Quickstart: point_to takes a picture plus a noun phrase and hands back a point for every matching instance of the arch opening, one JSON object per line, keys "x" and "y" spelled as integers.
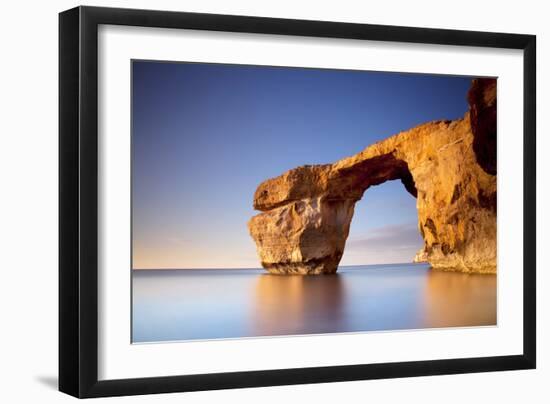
{"x": 384, "y": 227}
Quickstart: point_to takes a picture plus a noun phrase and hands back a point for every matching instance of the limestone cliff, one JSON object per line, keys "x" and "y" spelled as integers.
{"x": 449, "y": 166}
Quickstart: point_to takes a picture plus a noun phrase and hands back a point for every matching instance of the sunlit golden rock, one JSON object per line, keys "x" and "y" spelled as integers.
{"x": 307, "y": 211}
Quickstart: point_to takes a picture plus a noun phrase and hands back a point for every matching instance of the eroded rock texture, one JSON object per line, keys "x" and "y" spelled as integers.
{"x": 449, "y": 166}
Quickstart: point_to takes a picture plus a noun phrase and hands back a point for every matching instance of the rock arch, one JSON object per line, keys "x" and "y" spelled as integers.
{"x": 446, "y": 165}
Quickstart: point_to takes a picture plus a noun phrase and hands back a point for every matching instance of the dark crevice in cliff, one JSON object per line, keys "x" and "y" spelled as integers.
{"x": 482, "y": 98}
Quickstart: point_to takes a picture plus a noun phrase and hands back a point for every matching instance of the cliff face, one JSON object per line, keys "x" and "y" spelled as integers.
{"x": 449, "y": 166}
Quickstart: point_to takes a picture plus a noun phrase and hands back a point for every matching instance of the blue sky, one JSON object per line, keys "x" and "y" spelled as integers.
{"x": 205, "y": 135}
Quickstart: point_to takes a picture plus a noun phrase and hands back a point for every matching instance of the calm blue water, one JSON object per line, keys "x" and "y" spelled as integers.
{"x": 172, "y": 305}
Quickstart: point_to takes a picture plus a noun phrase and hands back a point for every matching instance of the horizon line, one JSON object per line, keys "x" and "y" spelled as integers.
{"x": 224, "y": 268}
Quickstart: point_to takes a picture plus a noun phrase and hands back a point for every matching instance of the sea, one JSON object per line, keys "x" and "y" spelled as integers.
{"x": 204, "y": 304}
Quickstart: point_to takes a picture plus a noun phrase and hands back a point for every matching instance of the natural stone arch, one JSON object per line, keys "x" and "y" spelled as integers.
{"x": 307, "y": 211}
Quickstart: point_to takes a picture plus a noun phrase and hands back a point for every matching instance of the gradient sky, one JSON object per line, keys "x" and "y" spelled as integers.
{"x": 205, "y": 135}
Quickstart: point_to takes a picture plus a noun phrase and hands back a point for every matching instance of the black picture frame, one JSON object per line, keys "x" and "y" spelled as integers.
{"x": 78, "y": 203}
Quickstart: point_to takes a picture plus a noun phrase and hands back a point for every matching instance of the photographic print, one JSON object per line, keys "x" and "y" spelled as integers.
{"x": 283, "y": 201}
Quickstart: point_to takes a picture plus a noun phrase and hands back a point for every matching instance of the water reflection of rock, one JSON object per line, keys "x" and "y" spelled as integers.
{"x": 291, "y": 305}
{"x": 456, "y": 299}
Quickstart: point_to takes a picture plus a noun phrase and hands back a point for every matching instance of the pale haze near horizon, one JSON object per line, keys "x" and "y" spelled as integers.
{"x": 204, "y": 136}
